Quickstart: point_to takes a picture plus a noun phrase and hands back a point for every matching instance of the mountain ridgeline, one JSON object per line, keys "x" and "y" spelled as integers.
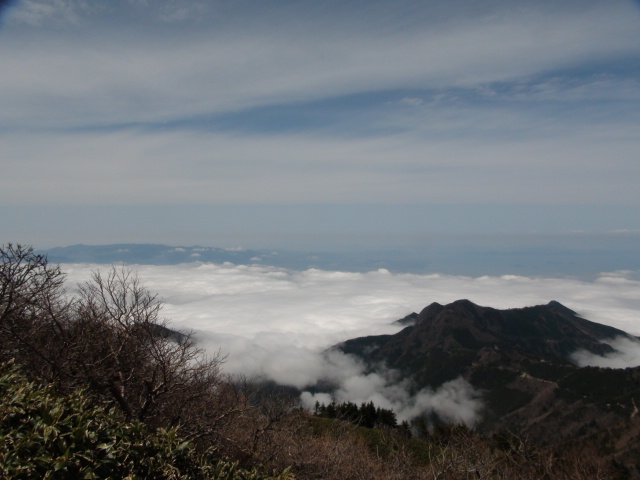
{"x": 443, "y": 342}
{"x": 521, "y": 360}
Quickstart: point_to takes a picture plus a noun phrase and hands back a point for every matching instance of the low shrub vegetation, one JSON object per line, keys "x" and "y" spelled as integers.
{"x": 47, "y": 436}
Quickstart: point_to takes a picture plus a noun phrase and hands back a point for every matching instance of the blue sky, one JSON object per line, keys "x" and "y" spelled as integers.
{"x": 294, "y": 123}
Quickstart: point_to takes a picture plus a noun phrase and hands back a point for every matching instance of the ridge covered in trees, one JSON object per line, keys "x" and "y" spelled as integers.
{"x": 367, "y": 415}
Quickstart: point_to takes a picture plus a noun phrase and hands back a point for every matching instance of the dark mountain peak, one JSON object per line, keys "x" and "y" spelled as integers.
{"x": 461, "y": 314}
{"x": 461, "y": 333}
{"x": 430, "y": 310}
{"x": 547, "y": 329}
{"x": 555, "y": 305}
{"x": 463, "y": 302}
{"x": 408, "y": 320}
{"x": 436, "y": 308}
{"x": 462, "y": 306}
{"x": 470, "y": 308}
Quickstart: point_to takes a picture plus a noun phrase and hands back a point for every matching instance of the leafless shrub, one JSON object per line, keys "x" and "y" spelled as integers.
{"x": 32, "y": 309}
{"x": 130, "y": 357}
{"x": 111, "y": 338}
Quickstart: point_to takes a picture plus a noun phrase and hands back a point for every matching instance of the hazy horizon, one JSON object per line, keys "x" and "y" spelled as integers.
{"x": 579, "y": 255}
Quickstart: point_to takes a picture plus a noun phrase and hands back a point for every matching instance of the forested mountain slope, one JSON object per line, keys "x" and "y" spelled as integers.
{"x": 522, "y": 360}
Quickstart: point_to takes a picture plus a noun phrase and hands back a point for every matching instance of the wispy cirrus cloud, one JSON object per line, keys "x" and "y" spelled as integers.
{"x": 216, "y": 57}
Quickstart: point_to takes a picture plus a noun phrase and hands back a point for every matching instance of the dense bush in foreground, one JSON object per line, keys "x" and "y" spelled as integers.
{"x": 46, "y": 436}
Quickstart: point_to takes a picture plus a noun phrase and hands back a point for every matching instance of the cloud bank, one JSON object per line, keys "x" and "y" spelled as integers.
{"x": 277, "y": 324}
{"x": 455, "y": 401}
{"x": 626, "y": 354}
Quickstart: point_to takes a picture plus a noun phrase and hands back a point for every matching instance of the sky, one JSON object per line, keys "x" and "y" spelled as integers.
{"x": 317, "y": 124}
{"x": 277, "y": 323}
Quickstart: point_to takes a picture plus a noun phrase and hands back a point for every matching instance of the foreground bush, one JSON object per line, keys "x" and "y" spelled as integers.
{"x": 110, "y": 338}
{"x": 45, "y": 436}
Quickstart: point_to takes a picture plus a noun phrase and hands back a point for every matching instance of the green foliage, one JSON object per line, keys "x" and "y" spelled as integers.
{"x": 367, "y": 415}
{"x": 45, "y": 436}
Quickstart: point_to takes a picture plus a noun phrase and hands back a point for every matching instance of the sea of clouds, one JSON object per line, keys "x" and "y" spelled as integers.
{"x": 277, "y": 324}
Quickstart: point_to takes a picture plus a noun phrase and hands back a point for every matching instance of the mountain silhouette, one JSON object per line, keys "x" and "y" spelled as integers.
{"x": 521, "y": 360}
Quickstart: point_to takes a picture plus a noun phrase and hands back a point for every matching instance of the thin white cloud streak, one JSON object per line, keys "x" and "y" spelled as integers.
{"x": 79, "y": 76}
{"x": 277, "y": 324}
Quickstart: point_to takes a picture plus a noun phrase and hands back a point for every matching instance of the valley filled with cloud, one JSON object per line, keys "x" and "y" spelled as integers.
{"x": 276, "y": 324}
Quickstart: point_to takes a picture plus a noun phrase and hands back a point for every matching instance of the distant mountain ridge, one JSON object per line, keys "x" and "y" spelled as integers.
{"x": 157, "y": 254}
{"x": 551, "y": 330}
{"x": 152, "y": 254}
{"x": 521, "y": 361}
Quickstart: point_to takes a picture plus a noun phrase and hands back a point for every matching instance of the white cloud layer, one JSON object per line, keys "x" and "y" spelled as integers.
{"x": 626, "y": 354}
{"x": 275, "y": 323}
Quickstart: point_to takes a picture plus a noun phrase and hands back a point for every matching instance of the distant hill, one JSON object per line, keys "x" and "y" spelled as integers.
{"x": 154, "y": 254}
{"x": 521, "y": 360}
